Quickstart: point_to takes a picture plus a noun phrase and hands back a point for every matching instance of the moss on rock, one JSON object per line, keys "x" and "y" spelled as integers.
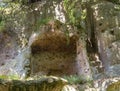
{"x": 114, "y": 87}
{"x": 43, "y": 84}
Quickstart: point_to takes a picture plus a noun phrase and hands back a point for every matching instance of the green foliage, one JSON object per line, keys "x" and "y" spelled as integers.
{"x": 13, "y": 77}
{"x": 40, "y": 22}
{"x": 3, "y": 77}
{"x": 70, "y": 10}
{"x": 2, "y": 25}
{"x": 43, "y": 21}
{"x": 12, "y": 14}
{"x": 67, "y": 36}
{"x": 75, "y": 12}
{"x": 75, "y": 79}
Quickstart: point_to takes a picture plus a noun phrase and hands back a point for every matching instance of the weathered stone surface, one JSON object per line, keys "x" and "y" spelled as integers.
{"x": 114, "y": 71}
{"x": 8, "y": 47}
{"x": 107, "y": 29}
{"x": 60, "y": 47}
{"x": 82, "y": 62}
{"x": 50, "y": 51}
{"x": 114, "y": 52}
{"x": 107, "y": 22}
{"x": 19, "y": 66}
{"x": 107, "y": 16}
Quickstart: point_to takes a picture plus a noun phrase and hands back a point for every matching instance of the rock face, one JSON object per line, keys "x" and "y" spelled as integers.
{"x": 19, "y": 66}
{"x": 108, "y": 24}
{"x": 53, "y": 51}
{"x": 114, "y": 52}
{"x": 53, "y": 39}
{"x": 50, "y": 51}
{"x": 107, "y": 29}
{"x": 8, "y": 47}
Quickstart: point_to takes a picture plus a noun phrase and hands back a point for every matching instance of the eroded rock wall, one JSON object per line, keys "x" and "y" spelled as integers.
{"x": 107, "y": 24}
{"x": 56, "y": 46}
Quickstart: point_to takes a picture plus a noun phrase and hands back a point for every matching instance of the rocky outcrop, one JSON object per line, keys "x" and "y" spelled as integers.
{"x": 114, "y": 52}
{"x": 19, "y": 66}
{"x": 106, "y": 24}
{"x": 55, "y": 45}
{"x": 54, "y": 39}
{"x": 8, "y": 47}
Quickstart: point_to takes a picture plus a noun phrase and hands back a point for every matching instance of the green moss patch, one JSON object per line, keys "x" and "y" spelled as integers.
{"x": 114, "y": 87}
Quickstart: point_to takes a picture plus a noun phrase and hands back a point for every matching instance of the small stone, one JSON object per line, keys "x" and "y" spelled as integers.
{"x": 50, "y": 80}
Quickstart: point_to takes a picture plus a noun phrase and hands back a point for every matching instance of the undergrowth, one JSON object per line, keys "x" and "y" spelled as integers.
{"x": 75, "y": 79}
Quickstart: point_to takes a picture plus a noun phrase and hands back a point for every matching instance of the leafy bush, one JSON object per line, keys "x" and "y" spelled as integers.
{"x": 76, "y": 14}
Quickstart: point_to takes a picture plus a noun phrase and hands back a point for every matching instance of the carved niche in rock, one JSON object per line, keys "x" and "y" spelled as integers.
{"x": 53, "y": 53}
